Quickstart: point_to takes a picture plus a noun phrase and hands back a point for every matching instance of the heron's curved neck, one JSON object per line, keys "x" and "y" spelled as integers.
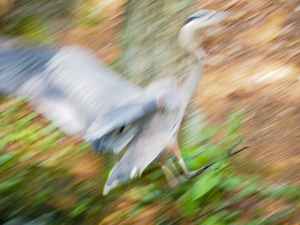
{"x": 188, "y": 42}
{"x": 187, "y": 37}
{"x": 189, "y": 86}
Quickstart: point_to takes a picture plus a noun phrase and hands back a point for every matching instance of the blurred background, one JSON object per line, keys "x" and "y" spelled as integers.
{"x": 250, "y": 88}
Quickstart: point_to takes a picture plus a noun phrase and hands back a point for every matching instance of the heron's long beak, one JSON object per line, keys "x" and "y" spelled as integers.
{"x": 219, "y": 17}
{"x": 201, "y": 19}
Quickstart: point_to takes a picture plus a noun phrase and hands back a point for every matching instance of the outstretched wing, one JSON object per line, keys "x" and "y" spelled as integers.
{"x": 115, "y": 129}
{"x": 120, "y": 117}
{"x": 70, "y": 86}
{"x": 152, "y": 138}
{"x": 19, "y": 66}
{"x": 115, "y": 140}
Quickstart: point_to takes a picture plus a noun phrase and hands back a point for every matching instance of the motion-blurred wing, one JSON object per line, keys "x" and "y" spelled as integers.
{"x": 62, "y": 114}
{"x": 115, "y": 140}
{"x": 120, "y": 117}
{"x": 115, "y": 129}
{"x": 70, "y": 86}
{"x": 22, "y": 71}
{"x": 155, "y": 135}
{"x": 20, "y": 66}
{"x": 154, "y": 97}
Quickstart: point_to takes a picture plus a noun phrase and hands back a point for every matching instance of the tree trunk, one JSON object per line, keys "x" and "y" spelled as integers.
{"x": 151, "y": 50}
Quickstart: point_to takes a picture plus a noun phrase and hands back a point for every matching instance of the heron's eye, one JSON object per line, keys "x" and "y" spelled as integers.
{"x": 122, "y": 129}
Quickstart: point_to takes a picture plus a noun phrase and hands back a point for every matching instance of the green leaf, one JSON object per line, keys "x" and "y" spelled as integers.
{"x": 186, "y": 203}
{"x": 27, "y": 156}
{"x": 232, "y": 183}
{"x": 26, "y": 119}
{"x": 93, "y": 211}
{"x": 81, "y": 208}
{"x": 254, "y": 222}
{"x": 222, "y": 206}
{"x": 235, "y": 121}
{"x": 41, "y": 197}
{"x": 279, "y": 215}
{"x": 151, "y": 196}
{"x": 213, "y": 219}
{"x": 209, "y": 131}
{"x": 204, "y": 185}
{"x": 6, "y": 157}
{"x": 6, "y": 185}
{"x": 232, "y": 215}
{"x": 247, "y": 190}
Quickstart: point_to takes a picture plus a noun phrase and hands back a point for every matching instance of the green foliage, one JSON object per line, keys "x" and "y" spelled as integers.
{"x": 205, "y": 199}
{"x": 42, "y": 180}
{"x": 32, "y": 28}
{"x": 39, "y": 21}
{"x": 87, "y": 12}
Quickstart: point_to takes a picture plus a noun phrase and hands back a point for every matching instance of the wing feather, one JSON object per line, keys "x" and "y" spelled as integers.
{"x": 153, "y": 137}
{"x": 70, "y": 86}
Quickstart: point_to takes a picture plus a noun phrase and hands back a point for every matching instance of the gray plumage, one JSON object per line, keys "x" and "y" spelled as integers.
{"x": 17, "y": 66}
{"x": 80, "y": 94}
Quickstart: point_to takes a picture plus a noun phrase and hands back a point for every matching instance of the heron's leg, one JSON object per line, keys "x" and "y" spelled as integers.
{"x": 169, "y": 169}
{"x": 174, "y": 149}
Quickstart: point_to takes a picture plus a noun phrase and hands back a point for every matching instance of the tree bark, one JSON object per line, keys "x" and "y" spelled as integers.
{"x": 150, "y": 46}
{"x": 151, "y": 50}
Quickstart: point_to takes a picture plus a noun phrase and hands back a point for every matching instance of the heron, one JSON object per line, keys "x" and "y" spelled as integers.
{"x": 82, "y": 96}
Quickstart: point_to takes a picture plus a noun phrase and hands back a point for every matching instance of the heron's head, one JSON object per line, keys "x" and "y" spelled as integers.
{"x": 201, "y": 19}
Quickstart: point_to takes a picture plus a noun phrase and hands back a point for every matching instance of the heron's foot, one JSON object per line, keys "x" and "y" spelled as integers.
{"x": 230, "y": 153}
{"x": 190, "y": 174}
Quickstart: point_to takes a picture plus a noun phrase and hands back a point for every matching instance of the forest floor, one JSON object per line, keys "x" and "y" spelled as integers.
{"x": 252, "y": 63}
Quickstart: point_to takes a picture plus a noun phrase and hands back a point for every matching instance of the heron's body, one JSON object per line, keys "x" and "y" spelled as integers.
{"x": 81, "y": 95}
{"x": 70, "y": 87}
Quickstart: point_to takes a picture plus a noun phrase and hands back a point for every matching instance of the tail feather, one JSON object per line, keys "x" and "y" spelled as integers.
{"x": 122, "y": 171}
{"x": 126, "y": 168}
